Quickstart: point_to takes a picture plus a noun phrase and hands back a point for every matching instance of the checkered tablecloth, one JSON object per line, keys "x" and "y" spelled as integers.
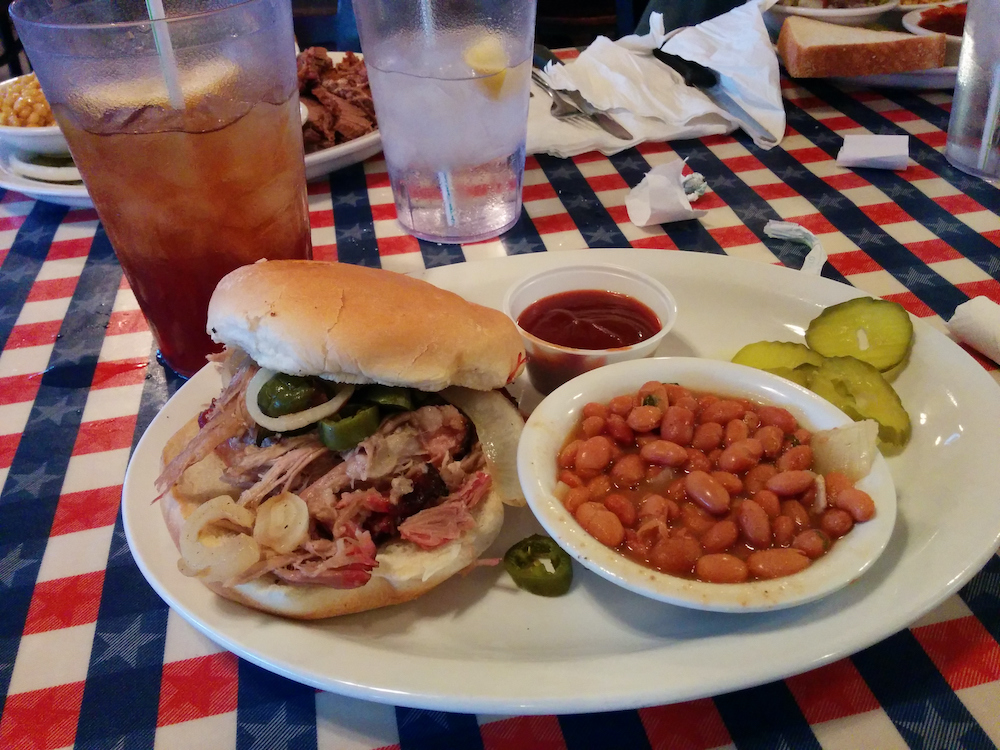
{"x": 91, "y": 657}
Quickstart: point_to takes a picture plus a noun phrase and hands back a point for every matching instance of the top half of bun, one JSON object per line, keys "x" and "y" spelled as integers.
{"x": 362, "y": 325}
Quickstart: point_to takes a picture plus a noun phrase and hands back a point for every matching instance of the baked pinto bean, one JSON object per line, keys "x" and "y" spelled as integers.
{"x": 704, "y": 486}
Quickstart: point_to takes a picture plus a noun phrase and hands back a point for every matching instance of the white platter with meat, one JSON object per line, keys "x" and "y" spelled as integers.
{"x": 340, "y": 128}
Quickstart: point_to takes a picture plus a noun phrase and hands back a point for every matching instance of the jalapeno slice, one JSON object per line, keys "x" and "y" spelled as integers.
{"x": 539, "y": 565}
{"x": 391, "y": 396}
{"x": 343, "y": 433}
{"x": 285, "y": 394}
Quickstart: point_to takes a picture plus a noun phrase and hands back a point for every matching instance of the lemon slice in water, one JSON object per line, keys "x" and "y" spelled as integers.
{"x": 488, "y": 59}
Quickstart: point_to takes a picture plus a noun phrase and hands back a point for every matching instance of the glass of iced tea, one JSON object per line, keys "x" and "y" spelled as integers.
{"x": 450, "y": 81}
{"x": 187, "y": 133}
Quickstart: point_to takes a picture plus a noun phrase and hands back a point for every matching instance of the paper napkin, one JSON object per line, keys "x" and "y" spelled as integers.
{"x": 664, "y": 196}
{"x": 977, "y": 323}
{"x": 875, "y": 151}
{"x": 650, "y": 99}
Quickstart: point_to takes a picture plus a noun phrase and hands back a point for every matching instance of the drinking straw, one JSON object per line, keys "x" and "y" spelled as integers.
{"x": 443, "y": 177}
{"x": 165, "y": 52}
{"x": 992, "y": 121}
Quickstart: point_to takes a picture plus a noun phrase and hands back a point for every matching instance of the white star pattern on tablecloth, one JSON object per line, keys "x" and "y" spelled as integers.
{"x": 598, "y": 236}
{"x": 933, "y": 731}
{"x": 351, "y": 233}
{"x": 866, "y": 237}
{"x": 125, "y": 644}
{"x": 276, "y": 733}
{"x": 11, "y": 564}
{"x": 941, "y": 227}
{"x": 55, "y": 412}
{"x": 32, "y": 484}
{"x": 915, "y": 278}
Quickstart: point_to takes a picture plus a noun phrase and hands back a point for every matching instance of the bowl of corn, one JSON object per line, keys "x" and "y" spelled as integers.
{"x": 26, "y": 121}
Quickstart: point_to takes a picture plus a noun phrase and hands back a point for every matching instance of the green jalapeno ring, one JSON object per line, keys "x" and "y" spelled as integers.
{"x": 396, "y": 397}
{"x": 525, "y": 562}
{"x": 341, "y": 433}
{"x": 286, "y": 394}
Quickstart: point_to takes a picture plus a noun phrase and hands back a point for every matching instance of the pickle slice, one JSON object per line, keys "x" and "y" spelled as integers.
{"x": 801, "y": 374}
{"x": 774, "y": 355}
{"x": 859, "y": 390}
{"x": 876, "y": 331}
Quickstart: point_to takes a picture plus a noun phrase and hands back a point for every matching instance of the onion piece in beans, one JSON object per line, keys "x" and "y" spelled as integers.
{"x": 498, "y": 424}
{"x": 282, "y": 522}
{"x": 849, "y": 450}
{"x": 217, "y": 555}
{"x": 298, "y": 420}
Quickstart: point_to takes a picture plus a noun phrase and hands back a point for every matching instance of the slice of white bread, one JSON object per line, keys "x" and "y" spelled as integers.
{"x": 816, "y": 49}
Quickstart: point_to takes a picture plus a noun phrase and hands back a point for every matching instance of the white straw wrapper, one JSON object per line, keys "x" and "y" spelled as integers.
{"x": 788, "y": 230}
{"x": 977, "y": 323}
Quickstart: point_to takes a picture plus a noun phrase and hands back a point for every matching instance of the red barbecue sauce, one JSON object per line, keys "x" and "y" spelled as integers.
{"x": 944, "y": 20}
{"x": 590, "y": 319}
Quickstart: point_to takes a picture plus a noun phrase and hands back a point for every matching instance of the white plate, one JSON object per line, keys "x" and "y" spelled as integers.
{"x": 476, "y": 644}
{"x": 904, "y": 8}
{"x": 841, "y": 16}
{"x": 321, "y": 163}
{"x": 74, "y": 196}
{"x": 915, "y": 80}
{"x": 554, "y": 419}
{"x": 24, "y": 166}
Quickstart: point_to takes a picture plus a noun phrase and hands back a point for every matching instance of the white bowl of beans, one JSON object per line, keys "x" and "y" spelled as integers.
{"x": 690, "y": 481}
{"x": 26, "y": 122}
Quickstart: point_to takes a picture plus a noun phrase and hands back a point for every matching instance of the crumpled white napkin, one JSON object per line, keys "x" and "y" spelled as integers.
{"x": 650, "y": 99}
{"x": 664, "y": 195}
{"x": 875, "y": 151}
{"x": 977, "y": 323}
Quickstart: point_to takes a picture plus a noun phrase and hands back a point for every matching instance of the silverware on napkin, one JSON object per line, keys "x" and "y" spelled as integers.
{"x": 706, "y": 80}
{"x": 543, "y": 55}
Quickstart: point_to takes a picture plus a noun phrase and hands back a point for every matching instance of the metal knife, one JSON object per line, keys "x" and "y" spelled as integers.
{"x": 543, "y": 55}
{"x": 706, "y": 80}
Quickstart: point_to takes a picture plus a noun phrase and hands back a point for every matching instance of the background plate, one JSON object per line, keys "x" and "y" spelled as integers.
{"x": 906, "y": 8}
{"x": 478, "y": 645}
{"x": 74, "y": 196}
{"x": 841, "y": 16}
{"x": 917, "y": 80}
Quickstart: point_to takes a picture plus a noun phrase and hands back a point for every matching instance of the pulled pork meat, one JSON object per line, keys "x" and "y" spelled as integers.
{"x": 337, "y": 97}
{"x": 417, "y": 478}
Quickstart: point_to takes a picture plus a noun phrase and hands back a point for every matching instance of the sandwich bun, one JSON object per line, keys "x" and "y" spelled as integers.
{"x": 362, "y": 325}
{"x": 404, "y": 572}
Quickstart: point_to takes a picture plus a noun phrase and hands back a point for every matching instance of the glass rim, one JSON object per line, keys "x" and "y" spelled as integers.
{"x": 15, "y": 7}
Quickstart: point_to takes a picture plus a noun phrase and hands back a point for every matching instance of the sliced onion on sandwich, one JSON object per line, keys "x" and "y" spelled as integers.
{"x": 360, "y": 453}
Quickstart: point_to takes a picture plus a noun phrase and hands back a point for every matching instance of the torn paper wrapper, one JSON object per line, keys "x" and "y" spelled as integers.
{"x": 875, "y": 151}
{"x": 977, "y": 323}
{"x": 664, "y": 196}
{"x": 788, "y": 230}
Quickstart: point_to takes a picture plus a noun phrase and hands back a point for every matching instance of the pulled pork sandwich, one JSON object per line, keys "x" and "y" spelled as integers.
{"x": 359, "y": 454}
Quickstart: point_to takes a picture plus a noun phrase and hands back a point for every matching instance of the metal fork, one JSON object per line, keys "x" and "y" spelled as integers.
{"x": 562, "y": 108}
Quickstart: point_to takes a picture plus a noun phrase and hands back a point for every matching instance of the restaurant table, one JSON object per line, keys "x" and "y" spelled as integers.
{"x": 91, "y": 657}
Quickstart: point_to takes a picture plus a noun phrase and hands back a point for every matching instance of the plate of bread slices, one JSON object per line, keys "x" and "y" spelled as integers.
{"x": 839, "y": 12}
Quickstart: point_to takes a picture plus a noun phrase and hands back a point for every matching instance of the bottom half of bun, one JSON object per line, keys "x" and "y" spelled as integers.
{"x": 404, "y": 571}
